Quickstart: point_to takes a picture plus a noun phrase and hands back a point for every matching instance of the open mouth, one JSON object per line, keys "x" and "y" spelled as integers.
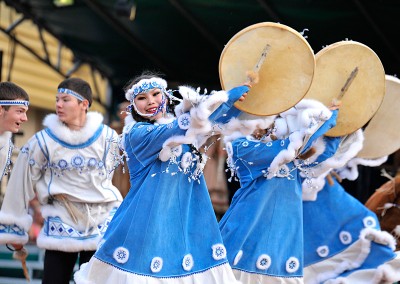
{"x": 151, "y": 110}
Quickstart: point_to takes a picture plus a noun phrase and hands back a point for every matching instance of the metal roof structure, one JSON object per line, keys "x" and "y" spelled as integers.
{"x": 184, "y": 38}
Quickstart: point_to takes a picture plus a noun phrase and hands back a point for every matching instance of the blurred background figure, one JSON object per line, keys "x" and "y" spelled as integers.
{"x": 215, "y": 176}
{"x": 121, "y": 174}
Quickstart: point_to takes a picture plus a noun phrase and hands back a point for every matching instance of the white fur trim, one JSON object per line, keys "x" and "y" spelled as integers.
{"x": 67, "y": 245}
{"x": 6, "y": 238}
{"x": 236, "y": 128}
{"x": 348, "y": 148}
{"x": 24, "y": 222}
{"x": 311, "y": 187}
{"x": 201, "y": 108}
{"x": 388, "y": 272}
{"x": 351, "y": 258}
{"x": 74, "y": 137}
{"x": 350, "y": 172}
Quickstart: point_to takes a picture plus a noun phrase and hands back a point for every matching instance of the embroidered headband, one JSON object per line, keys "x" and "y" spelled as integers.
{"x": 145, "y": 85}
{"x": 14, "y": 103}
{"x": 70, "y": 92}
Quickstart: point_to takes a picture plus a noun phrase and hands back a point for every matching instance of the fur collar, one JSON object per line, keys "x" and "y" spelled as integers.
{"x": 74, "y": 137}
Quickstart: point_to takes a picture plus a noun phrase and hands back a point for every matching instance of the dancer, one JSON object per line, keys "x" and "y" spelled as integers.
{"x": 14, "y": 103}
{"x": 69, "y": 165}
{"x": 343, "y": 242}
{"x": 262, "y": 229}
{"x": 165, "y": 230}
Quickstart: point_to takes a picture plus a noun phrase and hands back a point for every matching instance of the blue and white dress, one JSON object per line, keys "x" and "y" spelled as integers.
{"x": 343, "y": 242}
{"x": 263, "y": 230}
{"x": 166, "y": 230}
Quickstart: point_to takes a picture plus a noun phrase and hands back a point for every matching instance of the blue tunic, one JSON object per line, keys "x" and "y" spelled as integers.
{"x": 166, "y": 219}
{"x": 263, "y": 229}
{"x": 333, "y": 224}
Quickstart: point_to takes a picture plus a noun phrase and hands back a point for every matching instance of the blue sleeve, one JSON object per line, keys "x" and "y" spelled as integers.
{"x": 331, "y": 146}
{"x": 330, "y": 123}
{"x": 146, "y": 140}
{"x": 226, "y": 111}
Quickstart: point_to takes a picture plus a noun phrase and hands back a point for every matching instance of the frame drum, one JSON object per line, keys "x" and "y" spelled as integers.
{"x": 334, "y": 65}
{"x": 285, "y": 75}
{"x": 381, "y": 135}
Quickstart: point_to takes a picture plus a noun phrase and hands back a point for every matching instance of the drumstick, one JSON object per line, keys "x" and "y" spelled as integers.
{"x": 349, "y": 80}
{"x": 252, "y": 76}
{"x": 25, "y": 269}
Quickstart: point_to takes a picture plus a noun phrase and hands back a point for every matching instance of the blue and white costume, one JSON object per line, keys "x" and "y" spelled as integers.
{"x": 262, "y": 229}
{"x": 166, "y": 231}
{"x": 5, "y": 153}
{"x": 71, "y": 172}
{"x": 343, "y": 242}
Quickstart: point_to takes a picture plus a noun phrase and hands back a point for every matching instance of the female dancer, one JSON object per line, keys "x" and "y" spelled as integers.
{"x": 165, "y": 230}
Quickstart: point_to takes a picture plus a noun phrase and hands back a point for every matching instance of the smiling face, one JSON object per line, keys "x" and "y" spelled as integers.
{"x": 12, "y": 118}
{"x": 148, "y": 103}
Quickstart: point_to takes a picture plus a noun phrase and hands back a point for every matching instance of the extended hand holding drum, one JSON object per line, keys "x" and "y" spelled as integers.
{"x": 280, "y": 58}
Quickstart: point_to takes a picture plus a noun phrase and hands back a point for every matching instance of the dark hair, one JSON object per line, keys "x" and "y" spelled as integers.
{"x": 78, "y": 85}
{"x": 146, "y": 75}
{"x": 11, "y": 91}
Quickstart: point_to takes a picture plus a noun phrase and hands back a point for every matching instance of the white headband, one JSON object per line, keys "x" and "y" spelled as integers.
{"x": 70, "y": 92}
{"x": 14, "y": 103}
{"x": 145, "y": 85}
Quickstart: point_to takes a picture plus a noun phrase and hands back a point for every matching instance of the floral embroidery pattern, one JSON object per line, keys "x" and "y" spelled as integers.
{"x": 292, "y": 264}
{"x": 184, "y": 121}
{"x": 218, "y": 251}
{"x": 156, "y": 264}
{"x": 187, "y": 262}
{"x": 323, "y": 251}
{"x": 345, "y": 237}
{"x": 263, "y": 262}
{"x": 121, "y": 255}
{"x": 77, "y": 161}
{"x": 369, "y": 222}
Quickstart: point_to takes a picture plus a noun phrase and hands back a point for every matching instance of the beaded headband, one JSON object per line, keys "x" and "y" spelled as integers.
{"x": 145, "y": 85}
{"x": 70, "y": 92}
{"x": 14, "y": 103}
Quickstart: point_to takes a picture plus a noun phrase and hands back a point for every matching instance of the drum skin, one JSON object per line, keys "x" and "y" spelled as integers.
{"x": 382, "y": 134}
{"x": 334, "y": 65}
{"x": 284, "y": 77}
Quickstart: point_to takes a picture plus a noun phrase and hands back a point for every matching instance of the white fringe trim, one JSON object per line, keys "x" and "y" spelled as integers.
{"x": 351, "y": 258}
{"x": 98, "y": 272}
{"x": 256, "y": 278}
{"x": 386, "y": 273}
